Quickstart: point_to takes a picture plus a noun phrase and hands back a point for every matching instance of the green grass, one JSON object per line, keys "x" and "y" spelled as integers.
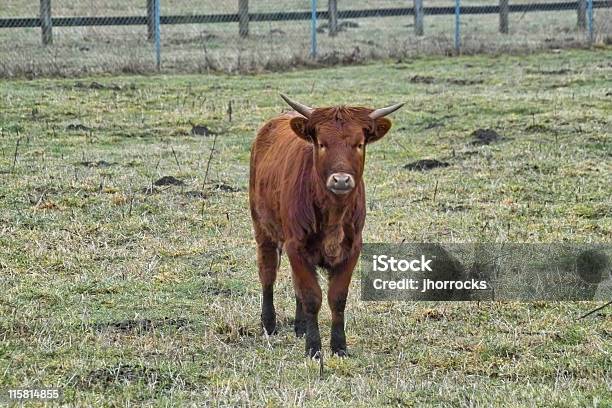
{"x": 119, "y": 295}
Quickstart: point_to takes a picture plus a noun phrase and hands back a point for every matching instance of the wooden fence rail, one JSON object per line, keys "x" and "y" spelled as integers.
{"x": 46, "y": 21}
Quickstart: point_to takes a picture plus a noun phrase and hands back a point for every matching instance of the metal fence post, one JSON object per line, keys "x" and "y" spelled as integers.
{"x": 46, "y": 24}
{"x": 581, "y": 14}
{"x": 418, "y": 17}
{"x": 457, "y": 26}
{"x": 332, "y": 10}
{"x": 150, "y": 20}
{"x": 504, "y": 9}
{"x": 157, "y": 23}
{"x": 243, "y": 18}
{"x": 590, "y": 16}
{"x": 313, "y": 29}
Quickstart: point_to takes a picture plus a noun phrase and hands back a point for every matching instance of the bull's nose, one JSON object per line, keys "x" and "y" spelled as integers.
{"x": 340, "y": 183}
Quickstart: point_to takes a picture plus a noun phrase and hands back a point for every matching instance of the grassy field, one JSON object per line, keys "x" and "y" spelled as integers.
{"x": 123, "y": 292}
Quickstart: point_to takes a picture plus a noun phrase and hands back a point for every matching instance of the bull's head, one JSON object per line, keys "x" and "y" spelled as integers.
{"x": 339, "y": 136}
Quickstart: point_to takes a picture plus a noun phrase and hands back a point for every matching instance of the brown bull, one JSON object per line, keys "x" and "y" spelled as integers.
{"x": 307, "y": 196}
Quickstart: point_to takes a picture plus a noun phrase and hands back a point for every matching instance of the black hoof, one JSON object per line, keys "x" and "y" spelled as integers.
{"x": 313, "y": 351}
{"x": 315, "y": 355}
{"x": 269, "y": 326}
{"x": 342, "y": 353}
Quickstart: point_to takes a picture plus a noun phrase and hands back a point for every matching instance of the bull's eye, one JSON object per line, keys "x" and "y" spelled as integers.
{"x": 360, "y": 146}
{"x": 321, "y": 146}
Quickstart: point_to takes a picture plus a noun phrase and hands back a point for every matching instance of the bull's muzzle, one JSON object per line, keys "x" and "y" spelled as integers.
{"x": 340, "y": 183}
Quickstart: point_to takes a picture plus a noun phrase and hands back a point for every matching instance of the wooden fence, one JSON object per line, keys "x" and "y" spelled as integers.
{"x": 243, "y": 17}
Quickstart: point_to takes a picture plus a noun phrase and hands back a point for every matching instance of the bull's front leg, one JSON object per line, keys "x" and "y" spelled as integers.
{"x": 299, "y": 324}
{"x": 308, "y": 292}
{"x": 339, "y": 281}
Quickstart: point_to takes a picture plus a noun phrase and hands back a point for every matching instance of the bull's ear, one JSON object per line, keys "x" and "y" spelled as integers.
{"x": 298, "y": 125}
{"x": 381, "y": 127}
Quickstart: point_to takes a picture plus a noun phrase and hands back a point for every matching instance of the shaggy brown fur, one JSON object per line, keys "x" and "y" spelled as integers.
{"x": 292, "y": 209}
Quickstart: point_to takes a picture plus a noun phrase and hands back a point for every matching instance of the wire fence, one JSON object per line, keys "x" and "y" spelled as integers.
{"x": 77, "y": 37}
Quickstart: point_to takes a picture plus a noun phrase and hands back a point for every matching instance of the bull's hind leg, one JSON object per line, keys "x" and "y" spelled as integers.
{"x": 268, "y": 261}
{"x": 309, "y": 294}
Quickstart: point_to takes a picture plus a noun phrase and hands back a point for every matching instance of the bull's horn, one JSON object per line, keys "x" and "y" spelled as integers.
{"x": 303, "y": 109}
{"x": 379, "y": 113}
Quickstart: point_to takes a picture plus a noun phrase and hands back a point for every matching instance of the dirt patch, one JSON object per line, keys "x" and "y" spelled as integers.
{"x": 99, "y": 163}
{"x": 464, "y": 81}
{"x": 124, "y": 374}
{"x": 202, "y": 130}
{"x": 226, "y": 187}
{"x": 421, "y": 79}
{"x": 141, "y": 325}
{"x": 168, "y": 181}
{"x": 234, "y": 334}
{"x": 424, "y": 79}
{"x": 100, "y": 86}
{"x": 78, "y": 127}
{"x": 485, "y": 136}
{"x": 217, "y": 291}
{"x": 195, "y": 194}
{"x": 425, "y": 164}
{"x": 240, "y": 330}
{"x": 431, "y": 314}
{"x": 562, "y": 71}
{"x": 15, "y": 328}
